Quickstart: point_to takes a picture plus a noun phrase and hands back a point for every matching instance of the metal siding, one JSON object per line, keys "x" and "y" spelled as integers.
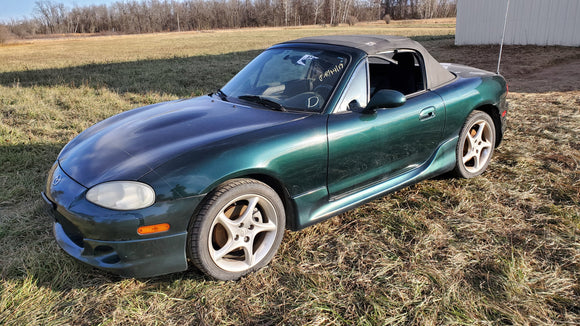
{"x": 553, "y": 32}
{"x": 541, "y": 22}
{"x": 572, "y": 24}
{"x": 576, "y": 23}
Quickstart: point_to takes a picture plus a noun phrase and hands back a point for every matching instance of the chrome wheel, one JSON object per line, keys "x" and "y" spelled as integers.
{"x": 475, "y": 146}
{"x": 237, "y": 230}
{"x": 243, "y": 233}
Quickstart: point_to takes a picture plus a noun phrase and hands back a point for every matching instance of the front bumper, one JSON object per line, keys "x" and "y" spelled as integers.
{"x": 108, "y": 239}
{"x": 131, "y": 258}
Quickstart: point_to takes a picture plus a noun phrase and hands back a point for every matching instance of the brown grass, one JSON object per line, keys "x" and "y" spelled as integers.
{"x": 502, "y": 248}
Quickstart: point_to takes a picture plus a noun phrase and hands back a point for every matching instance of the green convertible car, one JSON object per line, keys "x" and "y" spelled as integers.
{"x": 307, "y": 130}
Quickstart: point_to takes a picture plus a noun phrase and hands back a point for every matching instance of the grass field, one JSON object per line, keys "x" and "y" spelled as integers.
{"x": 503, "y": 248}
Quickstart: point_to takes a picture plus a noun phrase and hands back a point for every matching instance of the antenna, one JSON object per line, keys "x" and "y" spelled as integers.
{"x": 503, "y": 35}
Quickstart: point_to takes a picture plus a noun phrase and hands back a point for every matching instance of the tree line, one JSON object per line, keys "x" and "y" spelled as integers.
{"x": 146, "y": 16}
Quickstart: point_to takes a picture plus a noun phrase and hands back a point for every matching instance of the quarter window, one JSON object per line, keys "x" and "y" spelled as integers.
{"x": 356, "y": 95}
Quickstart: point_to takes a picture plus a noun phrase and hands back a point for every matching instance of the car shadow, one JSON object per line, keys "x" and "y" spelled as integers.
{"x": 180, "y": 76}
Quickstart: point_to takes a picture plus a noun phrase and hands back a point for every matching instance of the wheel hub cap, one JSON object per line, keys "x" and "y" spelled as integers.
{"x": 243, "y": 233}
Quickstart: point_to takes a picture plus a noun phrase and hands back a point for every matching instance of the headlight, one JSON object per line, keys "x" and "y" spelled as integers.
{"x": 122, "y": 195}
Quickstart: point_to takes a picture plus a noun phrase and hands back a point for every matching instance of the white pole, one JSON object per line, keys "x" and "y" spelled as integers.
{"x": 503, "y": 35}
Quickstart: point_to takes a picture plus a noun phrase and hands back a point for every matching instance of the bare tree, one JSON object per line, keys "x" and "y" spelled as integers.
{"x": 145, "y": 16}
{"x": 5, "y": 34}
{"x": 52, "y": 15}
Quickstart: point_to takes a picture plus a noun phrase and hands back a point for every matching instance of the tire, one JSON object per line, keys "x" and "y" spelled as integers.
{"x": 475, "y": 146}
{"x": 225, "y": 241}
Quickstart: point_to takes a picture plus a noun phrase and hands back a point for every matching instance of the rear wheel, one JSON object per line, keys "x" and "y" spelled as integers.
{"x": 475, "y": 146}
{"x": 238, "y": 229}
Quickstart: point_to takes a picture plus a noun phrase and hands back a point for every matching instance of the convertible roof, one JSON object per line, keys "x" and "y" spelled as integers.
{"x": 377, "y": 44}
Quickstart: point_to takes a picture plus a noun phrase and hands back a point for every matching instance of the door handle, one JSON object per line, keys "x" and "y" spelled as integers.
{"x": 427, "y": 113}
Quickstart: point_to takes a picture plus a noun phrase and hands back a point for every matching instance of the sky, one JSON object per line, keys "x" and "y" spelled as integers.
{"x": 18, "y": 9}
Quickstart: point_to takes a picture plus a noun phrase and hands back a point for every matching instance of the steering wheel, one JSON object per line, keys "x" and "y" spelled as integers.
{"x": 310, "y": 101}
{"x": 323, "y": 89}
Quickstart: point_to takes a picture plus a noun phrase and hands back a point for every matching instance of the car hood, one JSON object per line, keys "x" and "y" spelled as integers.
{"x": 132, "y": 144}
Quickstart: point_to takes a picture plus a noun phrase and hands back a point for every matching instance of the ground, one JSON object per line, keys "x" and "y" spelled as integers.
{"x": 502, "y": 248}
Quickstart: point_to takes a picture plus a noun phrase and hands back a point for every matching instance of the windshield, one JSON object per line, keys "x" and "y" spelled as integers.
{"x": 288, "y": 79}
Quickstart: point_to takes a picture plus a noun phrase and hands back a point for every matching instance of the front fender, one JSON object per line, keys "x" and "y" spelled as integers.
{"x": 295, "y": 154}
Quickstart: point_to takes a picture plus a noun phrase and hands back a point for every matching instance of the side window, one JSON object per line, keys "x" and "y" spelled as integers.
{"x": 356, "y": 94}
{"x": 401, "y": 71}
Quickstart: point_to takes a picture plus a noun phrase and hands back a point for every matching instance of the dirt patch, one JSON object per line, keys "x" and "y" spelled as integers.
{"x": 562, "y": 77}
{"x": 527, "y": 68}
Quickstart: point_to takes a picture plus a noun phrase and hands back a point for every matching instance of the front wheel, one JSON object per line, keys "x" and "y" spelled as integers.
{"x": 238, "y": 229}
{"x": 475, "y": 146}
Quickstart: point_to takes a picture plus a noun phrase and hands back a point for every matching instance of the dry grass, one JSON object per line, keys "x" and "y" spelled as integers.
{"x": 502, "y": 248}
{"x": 59, "y": 53}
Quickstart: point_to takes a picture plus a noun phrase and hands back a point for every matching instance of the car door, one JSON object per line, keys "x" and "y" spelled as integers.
{"x": 370, "y": 147}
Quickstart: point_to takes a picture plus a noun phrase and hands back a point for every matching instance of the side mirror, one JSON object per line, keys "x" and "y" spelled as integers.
{"x": 384, "y": 99}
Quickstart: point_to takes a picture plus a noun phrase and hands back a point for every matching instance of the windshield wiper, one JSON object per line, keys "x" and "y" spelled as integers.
{"x": 263, "y": 101}
{"x": 221, "y": 94}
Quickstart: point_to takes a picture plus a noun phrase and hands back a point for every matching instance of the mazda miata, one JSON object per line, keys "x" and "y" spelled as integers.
{"x": 309, "y": 129}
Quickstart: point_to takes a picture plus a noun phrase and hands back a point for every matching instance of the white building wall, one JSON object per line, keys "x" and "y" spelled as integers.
{"x": 541, "y": 22}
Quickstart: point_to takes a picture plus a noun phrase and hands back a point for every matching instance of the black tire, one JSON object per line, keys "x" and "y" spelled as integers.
{"x": 226, "y": 242}
{"x": 475, "y": 146}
